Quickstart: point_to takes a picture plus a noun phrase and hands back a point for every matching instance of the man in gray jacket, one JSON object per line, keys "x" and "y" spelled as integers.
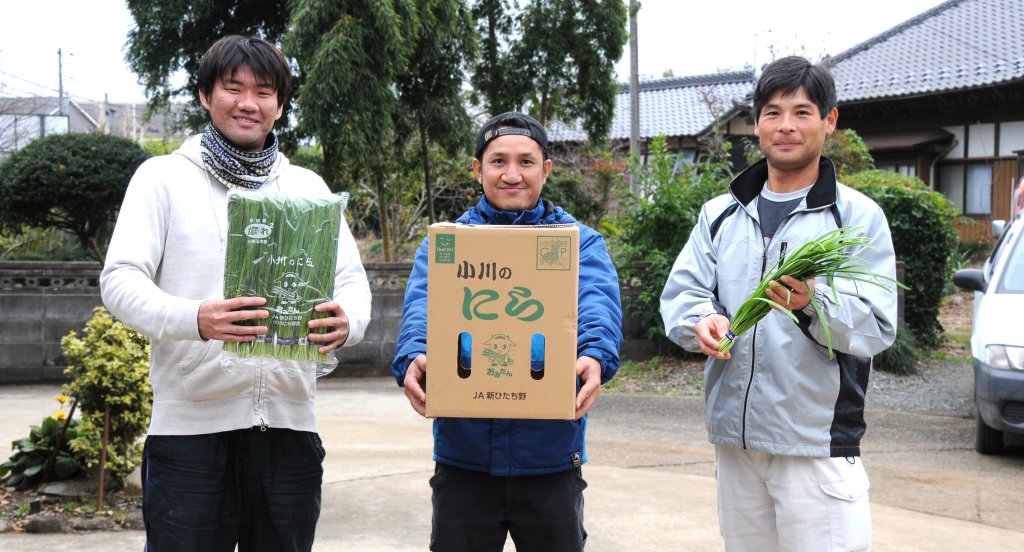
{"x": 786, "y": 418}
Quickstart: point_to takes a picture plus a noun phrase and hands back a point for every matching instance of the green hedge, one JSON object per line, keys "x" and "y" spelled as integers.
{"x": 925, "y": 239}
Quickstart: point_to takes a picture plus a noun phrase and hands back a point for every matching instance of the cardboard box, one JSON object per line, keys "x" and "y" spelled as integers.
{"x": 499, "y": 298}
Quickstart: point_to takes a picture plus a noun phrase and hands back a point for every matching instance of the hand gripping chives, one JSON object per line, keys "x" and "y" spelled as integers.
{"x": 829, "y": 256}
{"x": 283, "y": 248}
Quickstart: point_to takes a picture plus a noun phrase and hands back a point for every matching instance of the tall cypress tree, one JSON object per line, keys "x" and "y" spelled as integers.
{"x": 350, "y": 54}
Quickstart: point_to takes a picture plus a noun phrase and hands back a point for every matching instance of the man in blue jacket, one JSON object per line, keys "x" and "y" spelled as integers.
{"x": 494, "y": 477}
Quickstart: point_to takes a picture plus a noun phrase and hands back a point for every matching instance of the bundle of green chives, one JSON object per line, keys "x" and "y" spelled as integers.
{"x": 829, "y": 256}
{"x": 283, "y": 248}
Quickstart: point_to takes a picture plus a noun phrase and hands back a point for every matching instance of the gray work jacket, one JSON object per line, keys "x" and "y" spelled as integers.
{"x": 781, "y": 393}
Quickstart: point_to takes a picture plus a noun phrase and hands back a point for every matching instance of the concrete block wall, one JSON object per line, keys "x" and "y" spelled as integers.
{"x": 41, "y": 302}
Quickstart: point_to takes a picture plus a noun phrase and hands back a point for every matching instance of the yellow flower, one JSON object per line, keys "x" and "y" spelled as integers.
{"x": 62, "y": 399}
{"x": 59, "y": 415}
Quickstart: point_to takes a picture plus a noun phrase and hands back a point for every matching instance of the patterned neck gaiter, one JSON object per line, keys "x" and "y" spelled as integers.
{"x": 233, "y": 167}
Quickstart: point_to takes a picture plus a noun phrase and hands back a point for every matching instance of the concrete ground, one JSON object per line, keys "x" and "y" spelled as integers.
{"x": 650, "y": 475}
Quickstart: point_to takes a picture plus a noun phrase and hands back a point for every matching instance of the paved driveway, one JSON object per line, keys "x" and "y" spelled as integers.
{"x": 651, "y": 477}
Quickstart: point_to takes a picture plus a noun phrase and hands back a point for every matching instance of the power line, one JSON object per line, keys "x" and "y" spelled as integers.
{"x": 36, "y": 84}
{"x": 36, "y": 92}
{"x": 13, "y": 88}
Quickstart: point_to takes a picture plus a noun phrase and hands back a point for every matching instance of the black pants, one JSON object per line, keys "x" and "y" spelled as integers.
{"x": 475, "y": 511}
{"x": 207, "y": 493}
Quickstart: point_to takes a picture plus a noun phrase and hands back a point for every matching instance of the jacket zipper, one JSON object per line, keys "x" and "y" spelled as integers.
{"x": 753, "y": 363}
{"x": 258, "y": 409}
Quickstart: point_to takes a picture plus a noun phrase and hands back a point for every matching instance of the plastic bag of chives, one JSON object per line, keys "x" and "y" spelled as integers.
{"x": 283, "y": 248}
{"x": 830, "y": 255}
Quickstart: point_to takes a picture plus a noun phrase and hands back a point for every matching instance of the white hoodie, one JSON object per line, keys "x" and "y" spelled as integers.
{"x": 166, "y": 257}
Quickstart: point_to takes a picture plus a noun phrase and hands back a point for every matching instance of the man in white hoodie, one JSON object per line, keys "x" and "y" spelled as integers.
{"x": 232, "y": 456}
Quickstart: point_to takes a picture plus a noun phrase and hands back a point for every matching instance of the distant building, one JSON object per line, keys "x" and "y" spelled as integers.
{"x": 684, "y": 109}
{"x": 25, "y": 119}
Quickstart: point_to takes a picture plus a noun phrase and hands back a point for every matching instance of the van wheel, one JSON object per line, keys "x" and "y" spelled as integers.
{"x": 987, "y": 440}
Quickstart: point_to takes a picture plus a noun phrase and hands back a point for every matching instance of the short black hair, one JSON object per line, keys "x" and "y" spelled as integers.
{"x": 789, "y": 74}
{"x": 232, "y": 52}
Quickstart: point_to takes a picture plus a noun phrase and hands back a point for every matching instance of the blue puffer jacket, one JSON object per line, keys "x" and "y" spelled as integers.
{"x": 521, "y": 447}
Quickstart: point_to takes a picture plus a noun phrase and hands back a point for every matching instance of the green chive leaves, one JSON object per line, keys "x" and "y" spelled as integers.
{"x": 283, "y": 248}
{"x": 829, "y": 256}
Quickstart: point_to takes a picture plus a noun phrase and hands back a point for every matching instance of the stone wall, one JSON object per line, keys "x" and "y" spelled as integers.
{"x": 41, "y": 302}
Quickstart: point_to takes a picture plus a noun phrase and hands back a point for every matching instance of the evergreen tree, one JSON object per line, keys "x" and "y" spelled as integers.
{"x": 433, "y": 110}
{"x": 559, "y": 62}
{"x": 350, "y": 54}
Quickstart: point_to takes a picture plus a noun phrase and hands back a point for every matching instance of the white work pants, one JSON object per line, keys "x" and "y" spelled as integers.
{"x": 791, "y": 503}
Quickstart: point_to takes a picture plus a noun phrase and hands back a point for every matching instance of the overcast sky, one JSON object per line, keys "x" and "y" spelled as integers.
{"x": 687, "y": 37}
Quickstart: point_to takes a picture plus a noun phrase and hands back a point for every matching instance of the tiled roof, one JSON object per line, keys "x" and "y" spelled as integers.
{"x": 673, "y": 106}
{"x": 960, "y": 44}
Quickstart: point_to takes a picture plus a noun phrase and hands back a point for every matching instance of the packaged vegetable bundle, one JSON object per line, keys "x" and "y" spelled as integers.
{"x": 829, "y": 256}
{"x": 283, "y": 248}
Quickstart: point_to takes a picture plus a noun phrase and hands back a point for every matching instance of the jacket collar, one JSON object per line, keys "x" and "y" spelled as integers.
{"x": 747, "y": 185}
{"x": 485, "y": 213}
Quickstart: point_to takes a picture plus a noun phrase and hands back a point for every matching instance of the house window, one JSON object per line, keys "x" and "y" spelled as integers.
{"x": 902, "y": 168}
{"x": 684, "y": 156}
{"x": 968, "y": 186}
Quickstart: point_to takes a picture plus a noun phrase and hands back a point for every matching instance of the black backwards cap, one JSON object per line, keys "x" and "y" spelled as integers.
{"x": 511, "y": 123}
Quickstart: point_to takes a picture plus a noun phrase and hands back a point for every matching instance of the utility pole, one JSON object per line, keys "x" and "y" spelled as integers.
{"x": 634, "y": 93}
{"x": 60, "y": 84}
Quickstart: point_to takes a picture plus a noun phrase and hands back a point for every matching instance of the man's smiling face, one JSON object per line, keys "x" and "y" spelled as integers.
{"x": 243, "y": 109}
{"x": 512, "y": 172}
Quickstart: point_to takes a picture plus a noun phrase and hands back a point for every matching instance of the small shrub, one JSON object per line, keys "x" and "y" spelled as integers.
{"x": 39, "y": 458}
{"x": 566, "y": 191}
{"x": 656, "y": 226}
{"x": 109, "y": 367}
{"x": 73, "y": 182}
{"x": 28, "y": 243}
{"x": 901, "y": 357}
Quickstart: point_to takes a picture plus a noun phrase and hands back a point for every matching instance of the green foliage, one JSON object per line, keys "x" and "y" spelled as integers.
{"x": 308, "y": 157}
{"x": 354, "y": 50}
{"x": 454, "y": 189}
{"x": 161, "y": 147}
{"x": 109, "y": 367}
{"x": 432, "y": 108}
{"x": 925, "y": 239}
{"x": 38, "y": 458}
{"x": 461, "y": 192}
{"x": 658, "y": 223}
{"x": 848, "y": 152}
{"x": 13, "y": 241}
{"x": 494, "y": 86}
{"x": 607, "y": 178}
{"x": 901, "y": 357}
{"x": 564, "y": 53}
{"x": 73, "y": 182}
{"x": 27, "y": 243}
{"x": 566, "y": 191}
